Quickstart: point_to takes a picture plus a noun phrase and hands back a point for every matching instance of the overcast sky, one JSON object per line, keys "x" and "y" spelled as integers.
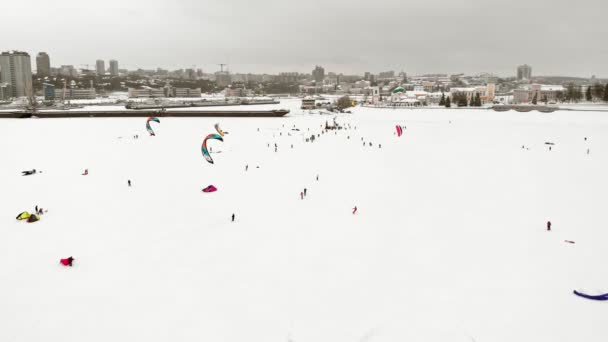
{"x": 556, "y": 37}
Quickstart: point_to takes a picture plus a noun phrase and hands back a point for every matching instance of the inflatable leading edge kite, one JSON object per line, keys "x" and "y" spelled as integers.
{"x": 598, "y": 297}
{"x": 399, "y": 130}
{"x": 204, "y": 146}
{"x": 219, "y": 130}
{"x": 148, "y": 127}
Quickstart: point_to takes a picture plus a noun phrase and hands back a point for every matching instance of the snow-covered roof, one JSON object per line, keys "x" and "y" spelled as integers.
{"x": 551, "y": 88}
{"x": 462, "y": 90}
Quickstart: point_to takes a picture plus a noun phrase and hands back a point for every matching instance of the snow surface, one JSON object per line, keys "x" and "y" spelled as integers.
{"x": 448, "y": 244}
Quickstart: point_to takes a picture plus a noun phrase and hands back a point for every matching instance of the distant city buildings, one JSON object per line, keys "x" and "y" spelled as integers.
{"x": 6, "y": 91}
{"x": 288, "y": 77}
{"x": 238, "y": 92}
{"x": 77, "y": 94}
{"x": 167, "y": 91}
{"x": 386, "y": 75}
{"x": 223, "y": 79}
{"x": 524, "y": 72}
{"x": 43, "y": 64}
{"x": 100, "y": 67}
{"x": 114, "y": 67}
{"x": 67, "y": 71}
{"x": 191, "y": 74}
{"x": 16, "y": 70}
{"x": 48, "y": 90}
{"x": 318, "y": 74}
{"x": 542, "y": 93}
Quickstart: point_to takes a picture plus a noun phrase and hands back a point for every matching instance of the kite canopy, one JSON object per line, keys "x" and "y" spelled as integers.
{"x": 210, "y": 188}
{"x": 399, "y": 130}
{"x": 23, "y": 216}
{"x": 148, "y": 127}
{"x": 398, "y": 90}
{"x": 204, "y": 149}
{"x": 33, "y": 218}
{"x": 219, "y": 130}
{"x": 593, "y": 297}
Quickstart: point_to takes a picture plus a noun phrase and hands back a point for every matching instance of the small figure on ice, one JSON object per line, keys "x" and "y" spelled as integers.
{"x": 129, "y": 182}
{"x": 548, "y": 226}
{"x": 232, "y": 217}
{"x": 86, "y": 172}
{"x": 354, "y": 210}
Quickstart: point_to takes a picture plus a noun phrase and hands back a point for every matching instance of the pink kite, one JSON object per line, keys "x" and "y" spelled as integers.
{"x": 210, "y": 188}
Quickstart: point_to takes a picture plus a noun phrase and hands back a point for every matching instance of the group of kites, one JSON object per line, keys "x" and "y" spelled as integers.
{"x": 213, "y": 136}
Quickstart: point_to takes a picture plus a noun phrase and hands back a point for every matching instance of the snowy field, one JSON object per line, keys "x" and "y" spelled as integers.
{"x": 449, "y": 242}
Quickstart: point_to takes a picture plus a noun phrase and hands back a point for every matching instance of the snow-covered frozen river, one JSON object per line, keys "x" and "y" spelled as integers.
{"x": 449, "y": 242}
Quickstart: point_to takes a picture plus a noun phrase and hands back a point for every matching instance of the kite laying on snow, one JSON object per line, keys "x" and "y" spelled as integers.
{"x": 23, "y": 216}
{"x": 596, "y": 297}
{"x": 67, "y": 261}
{"x": 210, "y": 188}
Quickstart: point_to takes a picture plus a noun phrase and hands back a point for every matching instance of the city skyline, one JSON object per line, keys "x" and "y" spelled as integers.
{"x": 344, "y": 37}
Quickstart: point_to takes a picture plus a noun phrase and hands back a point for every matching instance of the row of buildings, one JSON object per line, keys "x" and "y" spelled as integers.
{"x": 44, "y": 69}
{"x": 16, "y": 74}
{"x": 167, "y": 91}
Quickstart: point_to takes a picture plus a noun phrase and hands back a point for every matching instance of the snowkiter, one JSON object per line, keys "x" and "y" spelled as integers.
{"x": 548, "y": 225}
{"x": 304, "y": 191}
{"x": 129, "y": 182}
{"x": 355, "y": 210}
{"x": 67, "y": 261}
{"x": 232, "y": 217}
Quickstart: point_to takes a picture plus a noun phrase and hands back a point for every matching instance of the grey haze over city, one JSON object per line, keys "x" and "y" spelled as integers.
{"x": 271, "y": 36}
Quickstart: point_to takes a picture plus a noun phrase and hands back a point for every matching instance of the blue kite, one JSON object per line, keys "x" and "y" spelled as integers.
{"x": 597, "y": 297}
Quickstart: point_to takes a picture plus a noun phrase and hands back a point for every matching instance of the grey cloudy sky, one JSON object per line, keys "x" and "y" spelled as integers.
{"x": 554, "y": 36}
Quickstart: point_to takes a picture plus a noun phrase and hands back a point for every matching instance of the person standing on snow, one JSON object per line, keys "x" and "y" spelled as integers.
{"x": 548, "y": 226}
{"x": 129, "y": 182}
{"x": 304, "y": 192}
{"x": 301, "y": 195}
{"x": 355, "y": 210}
{"x": 232, "y": 217}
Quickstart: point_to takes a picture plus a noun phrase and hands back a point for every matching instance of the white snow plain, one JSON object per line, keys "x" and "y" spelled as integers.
{"x": 449, "y": 242}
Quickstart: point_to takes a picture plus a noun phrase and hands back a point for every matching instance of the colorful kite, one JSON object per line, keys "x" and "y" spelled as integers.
{"x": 219, "y": 130}
{"x": 204, "y": 146}
{"x": 152, "y": 118}
{"x": 399, "y": 130}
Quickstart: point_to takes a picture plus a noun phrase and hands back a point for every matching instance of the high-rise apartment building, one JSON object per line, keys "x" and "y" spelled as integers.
{"x": 318, "y": 74}
{"x": 100, "y": 67}
{"x": 43, "y": 64}
{"x": 524, "y": 72}
{"x": 113, "y": 67}
{"x": 16, "y": 70}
